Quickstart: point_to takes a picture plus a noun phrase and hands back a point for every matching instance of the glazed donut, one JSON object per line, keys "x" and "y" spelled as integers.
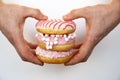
{"x": 53, "y": 57}
{"x": 55, "y": 26}
{"x": 56, "y": 39}
{"x": 56, "y": 42}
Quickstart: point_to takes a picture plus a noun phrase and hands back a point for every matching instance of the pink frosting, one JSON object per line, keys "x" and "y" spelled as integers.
{"x": 51, "y": 40}
{"x": 52, "y": 54}
{"x": 56, "y": 24}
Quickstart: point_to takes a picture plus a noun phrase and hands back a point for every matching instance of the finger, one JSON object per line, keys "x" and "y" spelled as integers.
{"x": 76, "y": 13}
{"x": 77, "y": 46}
{"x": 30, "y": 56}
{"x": 23, "y": 49}
{"x": 32, "y": 46}
{"x": 83, "y": 54}
{"x": 75, "y": 51}
{"x": 34, "y": 13}
{"x": 27, "y": 54}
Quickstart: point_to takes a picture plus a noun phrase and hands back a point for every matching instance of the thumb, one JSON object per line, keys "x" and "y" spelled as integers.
{"x": 34, "y": 13}
{"x": 76, "y": 13}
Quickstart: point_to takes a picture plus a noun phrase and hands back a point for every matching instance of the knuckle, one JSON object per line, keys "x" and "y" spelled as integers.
{"x": 24, "y": 59}
{"x": 24, "y": 9}
{"x": 23, "y": 56}
{"x": 87, "y": 7}
{"x": 37, "y": 11}
{"x": 84, "y": 60}
{"x": 73, "y": 12}
{"x": 87, "y": 10}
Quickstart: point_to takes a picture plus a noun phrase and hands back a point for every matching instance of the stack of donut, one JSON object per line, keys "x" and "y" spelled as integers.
{"x": 56, "y": 39}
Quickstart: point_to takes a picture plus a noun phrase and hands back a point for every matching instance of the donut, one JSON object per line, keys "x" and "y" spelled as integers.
{"x": 56, "y": 39}
{"x": 56, "y": 42}
{"x": 53, "y": 57}
{"x": 55, "y": 26}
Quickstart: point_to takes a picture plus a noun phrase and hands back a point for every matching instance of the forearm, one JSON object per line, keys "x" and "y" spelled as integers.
{"x": 0, "y": 1}
{"x": 116, "y": 2}
{"x": 0, "y": 11}
{"x": 1, "y": 5}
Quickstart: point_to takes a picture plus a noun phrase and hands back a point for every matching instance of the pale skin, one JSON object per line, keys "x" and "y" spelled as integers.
{"x": 12, "y": 19}
{"x": 100, "y": 20}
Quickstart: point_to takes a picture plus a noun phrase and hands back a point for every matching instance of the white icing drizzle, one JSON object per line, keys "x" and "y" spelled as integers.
{"x": 56, "y": 24}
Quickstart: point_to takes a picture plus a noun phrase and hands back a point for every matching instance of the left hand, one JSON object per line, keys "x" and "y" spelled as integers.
{"x": 100, "y": 20}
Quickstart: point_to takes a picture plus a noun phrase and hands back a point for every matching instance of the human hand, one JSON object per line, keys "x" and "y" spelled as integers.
{"x": 12, "y": 19}
{"x": 100, "y": 20}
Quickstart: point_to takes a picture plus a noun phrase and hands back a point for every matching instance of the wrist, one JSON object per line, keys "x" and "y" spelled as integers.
{"x": 0, "y": 1}
{"x": 1, "y": 4}
{"x": 115, "y": 7}
{"x": 115, "y": 4}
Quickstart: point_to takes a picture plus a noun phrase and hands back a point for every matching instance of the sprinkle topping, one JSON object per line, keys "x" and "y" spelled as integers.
{"x": 52, "y": 40}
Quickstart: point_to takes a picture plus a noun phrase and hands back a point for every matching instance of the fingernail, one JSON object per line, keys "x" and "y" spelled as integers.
{"x": 68, "y": 64}
{"x": 38, "y": 62}
{"x": 41, "y": 64}
{"x": 64, "y": 17}
{"x": 45, "y": 17}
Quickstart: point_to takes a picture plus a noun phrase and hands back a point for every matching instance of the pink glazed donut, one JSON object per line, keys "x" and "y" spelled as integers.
{"x": 56, "y": 39}
{"x": 55, "y": 26}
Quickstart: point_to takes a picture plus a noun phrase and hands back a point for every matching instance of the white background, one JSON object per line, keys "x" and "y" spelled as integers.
{"x": 103, "y": 64}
